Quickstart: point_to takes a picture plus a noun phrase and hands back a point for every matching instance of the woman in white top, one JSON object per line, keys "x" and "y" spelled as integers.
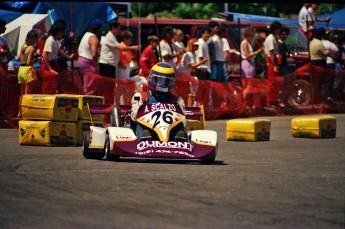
{"x": 247, "y": 54}
{"x": 88, "y": 55}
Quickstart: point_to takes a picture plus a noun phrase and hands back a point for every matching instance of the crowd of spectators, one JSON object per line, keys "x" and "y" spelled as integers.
{"x": 205, "y": 58}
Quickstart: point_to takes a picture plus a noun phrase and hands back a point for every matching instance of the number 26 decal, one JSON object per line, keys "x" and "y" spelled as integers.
{"x": 167, "y": 118}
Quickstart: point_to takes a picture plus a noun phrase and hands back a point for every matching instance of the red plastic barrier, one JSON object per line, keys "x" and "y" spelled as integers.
{"x": 237, "y": 98}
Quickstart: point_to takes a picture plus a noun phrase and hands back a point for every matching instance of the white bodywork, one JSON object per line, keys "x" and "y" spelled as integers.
{"x": 204, "y": 137}
{"x": 98, "y": 136}
{"x": 121, "y": 134}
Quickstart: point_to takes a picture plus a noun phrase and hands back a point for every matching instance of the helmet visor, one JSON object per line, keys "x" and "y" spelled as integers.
{"x": 163, "y": 80}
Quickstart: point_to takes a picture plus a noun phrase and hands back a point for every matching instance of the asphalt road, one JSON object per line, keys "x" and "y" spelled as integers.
{"x": 283, "y": 183}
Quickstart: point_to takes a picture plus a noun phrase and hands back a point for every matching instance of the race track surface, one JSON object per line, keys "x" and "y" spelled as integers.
{"x": 283, "y": 183}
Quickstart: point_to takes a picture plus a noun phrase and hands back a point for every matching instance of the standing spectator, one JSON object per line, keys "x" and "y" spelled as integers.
{"x": 339, "y": 81}
{"x": 4, "y": 52}
{"x": 50, "y": 68}
{"x": 203, "y": 71}
{"x": 312, "y": 10}
{"x": 88, "y": 54}
{"x": 123, "y": 70}
{"x": 214, "y": 26}
{"x": 68, "y": 44}
{"x": 260, "y": 58}
{"x": 178, "y": 45}
{"x": 305, "y": 21}
{"x": 329, "y": 44}
{"x": 219, "y": 69}
{"x": 271, "y": 50}
{"x": 110, "y": 48}
{"x": 148, "y": 58}
{"x": 318, "y": 52}
{"x": 283, "y": 51}
{"x": 27, "y": 72}
{"x": 188, "y": 62}
{"x": 4, "y": 49}
{"x": 248, "y": 54}
{"x": 228, "y": 52}
{"x": 169, "y": 55}
{"x": 178, "y": 39}
{"x": 283, "y": 66}
{"x": 318, "y": 57}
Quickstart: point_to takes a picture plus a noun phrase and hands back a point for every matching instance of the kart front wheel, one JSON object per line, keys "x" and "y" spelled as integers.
{"x": 108, "y": 156}
{"x": 90, "y": 153}
{"x": 208, "y": 161}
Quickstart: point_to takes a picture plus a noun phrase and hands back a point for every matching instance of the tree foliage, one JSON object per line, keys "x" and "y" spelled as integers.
{"x": 194, "y": 10}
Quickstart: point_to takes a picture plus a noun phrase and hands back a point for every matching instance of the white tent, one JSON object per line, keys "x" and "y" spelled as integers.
{"x": 17, "y": 29}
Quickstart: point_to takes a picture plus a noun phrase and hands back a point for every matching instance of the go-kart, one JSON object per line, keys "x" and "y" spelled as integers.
{"x": 119, "y": 138}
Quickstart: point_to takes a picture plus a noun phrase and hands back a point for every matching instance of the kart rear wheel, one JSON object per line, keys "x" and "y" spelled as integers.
{"x": 115, "y": 116}
{"x": 108, "y": 156}
{"x": 90, "y": 153}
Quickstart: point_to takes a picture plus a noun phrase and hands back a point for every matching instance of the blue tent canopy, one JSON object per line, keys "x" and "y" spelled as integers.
{"x": 257, "y": 18}
{"x": 77, "y": 15}
{"x": 337, "y": 19}
{"x": 8, "y": 15}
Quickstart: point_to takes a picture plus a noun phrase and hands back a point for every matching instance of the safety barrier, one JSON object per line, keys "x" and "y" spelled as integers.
{"x": 300, "y": 90}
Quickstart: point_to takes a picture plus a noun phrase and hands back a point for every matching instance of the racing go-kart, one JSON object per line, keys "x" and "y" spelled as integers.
{"x": 119, "y": 138}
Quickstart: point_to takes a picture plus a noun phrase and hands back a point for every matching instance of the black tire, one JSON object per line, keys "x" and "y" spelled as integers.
{"x": 210, "y": 160}
{"x": 108, "y": 156}
{"x": 90, "y": 153}
{"x": 115, "y": 116}
{"x": 300, "y": 93}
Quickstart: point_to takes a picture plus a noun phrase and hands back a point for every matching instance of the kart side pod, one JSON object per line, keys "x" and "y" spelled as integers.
{"x": 204, "y": 137}
{"x": 97, "y": 137}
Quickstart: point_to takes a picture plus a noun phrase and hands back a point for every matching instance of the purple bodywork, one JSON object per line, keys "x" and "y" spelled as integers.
{"x": 157, "y": 149}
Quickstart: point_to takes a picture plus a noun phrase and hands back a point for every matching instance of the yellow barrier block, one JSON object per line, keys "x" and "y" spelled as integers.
{"x": 314, "y": 126}
{"x": 194, "y": 125}
{"x": 47, "y": 133}
{"x": 84, "y": 125}
{"x": 197, "y": 123}
{"x": 248, "y": 129}
{"x": 83, "y": 111}
{"x": 49, "y": 107}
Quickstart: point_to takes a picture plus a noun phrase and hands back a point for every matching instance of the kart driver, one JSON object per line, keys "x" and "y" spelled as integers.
{"x": 161, "y": 84}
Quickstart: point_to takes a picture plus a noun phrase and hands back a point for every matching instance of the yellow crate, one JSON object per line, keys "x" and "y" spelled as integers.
{"x": 47, "y": 133}
{"x": 248, "y": 129}
{"x": 194, "y": 125}
{"x": 198, "y": 123}
{"x": 84, "y": 125}
{"x": 49, "y": 107}
{"x": 83, "y": 112}
{"x": 314, "y": 126}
